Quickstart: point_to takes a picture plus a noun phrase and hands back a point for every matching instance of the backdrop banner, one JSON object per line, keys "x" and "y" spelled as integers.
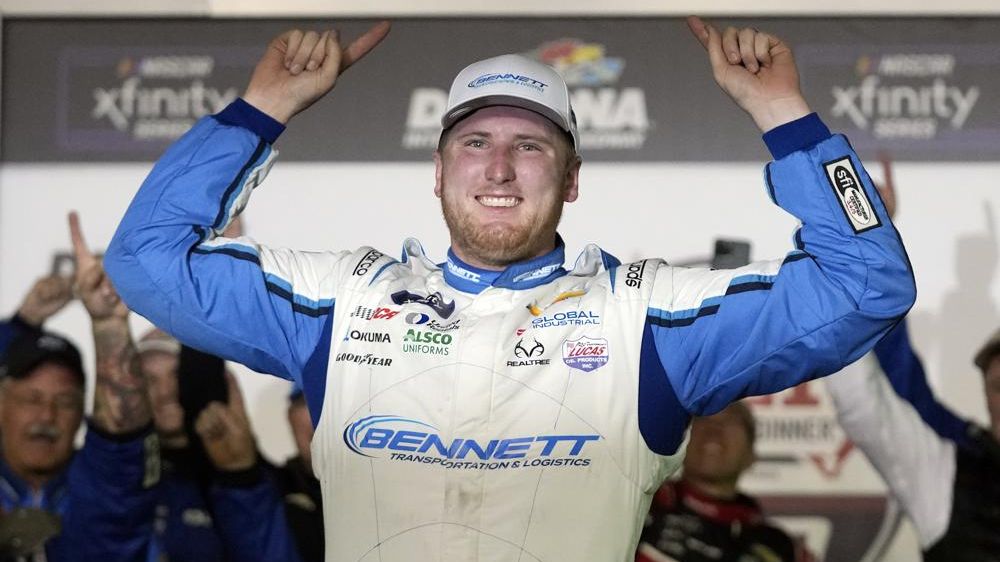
{"x": 84, "y": 90}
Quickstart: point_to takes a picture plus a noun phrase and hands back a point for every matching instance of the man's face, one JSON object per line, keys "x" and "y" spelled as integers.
{"x": 991, "y": 383}
{"x": 160, "y": 370}
{"x": 39, "y": 417}
{"x": 719, "y": 449}
{"x": 502, "y": 176}
{"x": 302, "y": 429}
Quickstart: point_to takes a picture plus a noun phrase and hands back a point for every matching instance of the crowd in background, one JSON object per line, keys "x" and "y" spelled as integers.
{"x": 170, "y": 470}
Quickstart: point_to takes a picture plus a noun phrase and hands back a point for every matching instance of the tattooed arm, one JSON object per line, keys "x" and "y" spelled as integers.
{"x": 112, "y": 493}
{"x": 120, "y": 404}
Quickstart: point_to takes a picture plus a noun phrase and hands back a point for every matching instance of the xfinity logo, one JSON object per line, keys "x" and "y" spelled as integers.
{"x": 863, "y": 103}
{"x": 121, "y": 105}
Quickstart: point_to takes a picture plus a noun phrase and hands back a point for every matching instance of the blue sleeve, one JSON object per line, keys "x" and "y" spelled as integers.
{"x": 250, "y": 517}
{"x": 906, "y": 375}
{"x": 112, "y": 497}
{"x": 234, "y": 298}
{"x": 722, "y": 335}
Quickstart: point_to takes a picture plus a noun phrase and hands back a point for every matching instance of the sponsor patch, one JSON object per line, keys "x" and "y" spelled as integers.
{"x": 586, "y": 354}
{"x": 568, "y": 318}
{"x": 400, "y": 439}
{"x": 381, "y": 313}
{"x": 433, "y": 300}
{"x": 633, "y": 274}
{"x": 528, "y": 354}
{"x": 421, "y": 319}
{"x": 846, "y": 183}
{"x": 426, "y": 343}
{"x": 374, "y": 337}
{"x": 366, "y": 262}
{"x": 364, "y": 359}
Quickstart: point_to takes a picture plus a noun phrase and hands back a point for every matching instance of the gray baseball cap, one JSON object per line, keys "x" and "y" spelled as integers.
{"x": 514, "y": 80}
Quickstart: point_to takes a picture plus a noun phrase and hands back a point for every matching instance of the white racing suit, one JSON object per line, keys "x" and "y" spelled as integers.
{"x": 528, "y": 414}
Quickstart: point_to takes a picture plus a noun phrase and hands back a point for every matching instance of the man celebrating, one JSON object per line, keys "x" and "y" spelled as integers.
{"x": 499, "y": 406}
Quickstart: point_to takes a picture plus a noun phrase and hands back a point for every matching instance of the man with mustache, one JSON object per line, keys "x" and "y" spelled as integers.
{"x": 434, "y": 440}
{"x": 60, "y": 504}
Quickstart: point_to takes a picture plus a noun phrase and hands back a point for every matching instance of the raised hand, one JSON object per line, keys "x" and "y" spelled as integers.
{"x": 225, "y": 431}
{"x": 756, "y": 69}
{"x": 120, "y": 404}
{"x": 299, "y": 67}
{"x": 47, "y": 296}
{"x": 91, "y": 285}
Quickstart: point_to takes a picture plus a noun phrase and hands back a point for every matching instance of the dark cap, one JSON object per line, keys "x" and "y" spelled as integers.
{"x": 29, "y": 350}
{"x": 989, "y": 350}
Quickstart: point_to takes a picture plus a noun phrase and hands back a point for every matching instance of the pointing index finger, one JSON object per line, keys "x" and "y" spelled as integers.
{"x": 364, "y": 44}
{"x": 236, "y": 404}
{"x": 80, "y": 249}
{"x": 699, "y": 29}
{"x": 711, "y": 40}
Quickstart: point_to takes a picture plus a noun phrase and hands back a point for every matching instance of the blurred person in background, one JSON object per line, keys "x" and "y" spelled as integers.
{"x": 943, "y": 469}
{"x": 218, "y": 499}
{"x": 57, "y": 503}
{"x": 703, "y": 516}
{"x": 299, "y": 485}
{"x": 242, "y": 508}
{"x": 42, "y": 386}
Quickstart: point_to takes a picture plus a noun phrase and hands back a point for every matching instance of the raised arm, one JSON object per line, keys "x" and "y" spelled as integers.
{"x": 233, "y": 297}
{"x": 916, "y": 463}
{"x": 248, "y": 507}
{"x": 112, "y": 499}
{"x": 45, "y": 298}
{"x": 717, "y": 336}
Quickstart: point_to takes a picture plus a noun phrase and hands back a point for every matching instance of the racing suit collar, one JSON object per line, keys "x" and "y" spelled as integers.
{"x": 522, "y": 275}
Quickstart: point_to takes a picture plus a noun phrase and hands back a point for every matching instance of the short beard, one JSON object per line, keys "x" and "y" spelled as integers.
{"x": 500, "y": 246}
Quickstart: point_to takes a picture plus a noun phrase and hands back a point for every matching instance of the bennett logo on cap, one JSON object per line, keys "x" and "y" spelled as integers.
{"x": 514, "y": 80}
{"x": 518, "y": 79}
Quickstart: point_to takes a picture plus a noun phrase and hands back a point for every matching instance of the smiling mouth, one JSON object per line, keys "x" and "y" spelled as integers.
{"x": 493, "y": 201}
